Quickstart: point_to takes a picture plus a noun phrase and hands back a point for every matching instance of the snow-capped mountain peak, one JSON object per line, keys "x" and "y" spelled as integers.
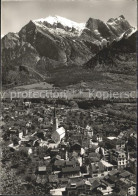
{"x": 63, "y": 21}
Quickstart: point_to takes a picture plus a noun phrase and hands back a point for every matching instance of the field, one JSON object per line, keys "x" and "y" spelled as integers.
{"x": 40, "y": 85}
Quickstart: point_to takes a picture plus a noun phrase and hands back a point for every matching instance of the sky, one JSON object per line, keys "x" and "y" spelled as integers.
{"x": 17, "y": 13}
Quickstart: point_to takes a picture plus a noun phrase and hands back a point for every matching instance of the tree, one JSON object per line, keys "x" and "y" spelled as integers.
{"x": 73, "y": 104}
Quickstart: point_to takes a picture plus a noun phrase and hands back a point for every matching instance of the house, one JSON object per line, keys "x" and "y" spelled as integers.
{"x": 126, "y": 188}
{"x": 20, "y": 112}
{"x": 133, "y": 165}
{"x": 84, "y": 186}
{"x": 95, "y": 183}
{"x": 117, "y": 144}
{"x": 25, "y": 141}
{"x": 99, "y": 137}
{"x": 119, "y": 158}
{"x": 63, "y": 181}
{"x": 132, "y": 140}
{"x": 58, "y": 191}
{"x": 41, "y": 179}
{"x": 27, "y": 103}
{"x": 40, "y": 119}
{"x": 59, "y": 164}
{"x": 55, "y": 153}
{"x": 111, "y": 137}
{"x": 120, "y": 144}
{"x": 52, "y": 144}
{"x": 71, "y": 163}
{"x": 89, "y": 131}
{"x": 105, "y": 189}
{"x": 43, "y": 143}
{"x": 114, "y": 172}
{"x": 97, "y": 170}
{"x": 71, "y": 172}
{"x": 125, "y": 174}
{"x": 110, "y": 181}
{"x": 131, "y": 190}
{"x": 108, "y": 166}
{"x": 13, "y": 147}
{"x": 13, "y": 132}
{"x": 47, "y": 158}
{"x": 71, "y": 189}
{"x": 29, "y": 124}
{"x": 30, "y": 151}
{"x": 79, "y": 187}
{"x": 106, "y": 155}
{"x": 63, "y": 150}
{"x": 41, "y": 170}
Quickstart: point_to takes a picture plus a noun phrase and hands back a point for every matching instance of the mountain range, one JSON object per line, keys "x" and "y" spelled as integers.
{"x": 50, "y": 49}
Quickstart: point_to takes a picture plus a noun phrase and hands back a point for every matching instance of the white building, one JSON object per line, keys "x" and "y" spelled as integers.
{"x": 105, "y": 190}
{"x": 30, "y": 151}
{"x": 27, "y": 103}
{"x": 108, "y": 166}
{"x": 120, "y": 158}
{"x": 89, "y": 131}
{"x": 132, "y": 190}
{"x": 57, "y": 191}
{"x": 58, "y": 134}
{"x": 99, "y": 137}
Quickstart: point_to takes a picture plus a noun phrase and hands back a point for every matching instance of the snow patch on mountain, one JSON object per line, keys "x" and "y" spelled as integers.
{"x": 63, "y": 21}
{"x": 128, "y": 34}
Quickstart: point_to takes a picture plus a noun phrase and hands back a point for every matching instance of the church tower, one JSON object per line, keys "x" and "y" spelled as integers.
{"x": 55, "y": 121}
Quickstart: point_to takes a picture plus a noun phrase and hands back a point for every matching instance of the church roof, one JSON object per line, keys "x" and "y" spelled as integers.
{"x": 61, "y": 131}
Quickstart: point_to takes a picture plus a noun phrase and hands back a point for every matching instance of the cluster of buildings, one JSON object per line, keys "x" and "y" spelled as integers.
{"x": 73, "y": 161}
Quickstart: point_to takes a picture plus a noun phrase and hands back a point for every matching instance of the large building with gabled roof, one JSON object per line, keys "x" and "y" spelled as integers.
{"x": 58, "y": 133}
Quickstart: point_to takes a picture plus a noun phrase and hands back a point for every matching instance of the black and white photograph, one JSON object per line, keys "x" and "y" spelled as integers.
{"x": 68, "y": 120}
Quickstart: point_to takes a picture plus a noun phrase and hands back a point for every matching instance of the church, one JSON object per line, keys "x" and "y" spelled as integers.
{"x": 58, "y": 133}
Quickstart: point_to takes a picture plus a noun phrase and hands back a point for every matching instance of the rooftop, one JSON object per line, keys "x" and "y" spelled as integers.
{"x": 42, "y": 168}
{"x": 70, "y": 169}
{"x": 106, "y": 164}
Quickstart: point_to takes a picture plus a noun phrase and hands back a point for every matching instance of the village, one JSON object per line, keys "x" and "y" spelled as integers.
{"x": 57, "y": 149}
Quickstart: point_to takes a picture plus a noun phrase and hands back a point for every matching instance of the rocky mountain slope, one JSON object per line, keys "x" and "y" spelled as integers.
{"x": 119, "y": 57}
{"x": 42, "y": 46}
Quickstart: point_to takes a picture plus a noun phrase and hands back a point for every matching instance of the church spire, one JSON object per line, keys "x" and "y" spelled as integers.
{"x": 54, "y": 112}
{"x": 55, "y": 120}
